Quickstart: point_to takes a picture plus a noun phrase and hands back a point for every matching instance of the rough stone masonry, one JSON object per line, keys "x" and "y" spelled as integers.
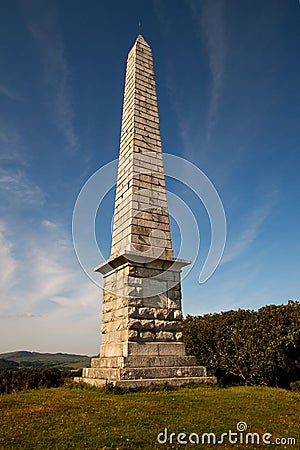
{"x": 141, "y": 302}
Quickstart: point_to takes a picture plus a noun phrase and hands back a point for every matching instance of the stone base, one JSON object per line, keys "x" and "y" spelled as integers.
{"x": 144, "y": 383}
{"x": 142, "y": 371}
{"x": 141, "y": 305}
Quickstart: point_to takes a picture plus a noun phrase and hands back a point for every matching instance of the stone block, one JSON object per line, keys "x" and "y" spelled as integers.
{"x": 141, "y": 325}
{"x": 156, "y": 301}
{"x": 147, "y": 349}
{"x": 108, "y": 373}
{"x": 135, "y": 281}
{"x": 114, "y": 305}
{"x": 115, "y": 337}
{"x": 170, "y": 326}
{"x": 177, "y": 313}
{"x": 147, "y": 336}
{"x": 151, "y": 286}
{"x": 144, "y": 383}
{"x": 114, "y": 314}
{"x": 115, "y": 325}
{"x": 164, "y": 314}
{"x": 169, "y": 348}
{"x": 116, "y": 362}
{"x": 165, "y": 336}
{"x": 139, "y": 373}
{"x": 113, "y": 349}
{"x": 151, "y": 361}
{"x": 146, "y": 313}
{"x": 133, "y": 335}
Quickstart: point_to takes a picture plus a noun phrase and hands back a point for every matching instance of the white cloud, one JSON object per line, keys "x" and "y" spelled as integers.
{"x": 44, "y": 283}
{"x": 55, "y": 274}
{"x": 49, "y": 224}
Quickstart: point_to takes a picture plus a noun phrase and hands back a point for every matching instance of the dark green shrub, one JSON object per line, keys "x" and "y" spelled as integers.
{"x": 295, "y": 386}
{"x": 26, "y": 379}
{"x": 248, "y": 347}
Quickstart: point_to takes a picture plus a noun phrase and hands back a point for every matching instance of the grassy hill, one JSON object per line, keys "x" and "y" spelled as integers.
{"x": 63, "y": 361}
{"x": 90, "y": 419}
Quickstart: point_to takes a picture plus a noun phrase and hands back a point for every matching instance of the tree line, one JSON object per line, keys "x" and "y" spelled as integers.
{"x": 248, "y": 347}
{"x": 31, "y": 378}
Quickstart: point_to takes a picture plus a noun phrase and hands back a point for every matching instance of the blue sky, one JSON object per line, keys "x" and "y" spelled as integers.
{"x": 227, "y": 76}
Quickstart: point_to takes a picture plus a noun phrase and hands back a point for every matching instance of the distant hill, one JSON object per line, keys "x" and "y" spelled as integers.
{"x": 63, "y": 361}
{"x": 7, "y": 364}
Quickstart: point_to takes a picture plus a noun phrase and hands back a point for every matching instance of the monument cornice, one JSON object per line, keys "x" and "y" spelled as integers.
{"x": 130, "y": 257}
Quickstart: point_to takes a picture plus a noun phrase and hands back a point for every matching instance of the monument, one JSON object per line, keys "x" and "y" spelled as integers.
{"x": 141, "y": 303}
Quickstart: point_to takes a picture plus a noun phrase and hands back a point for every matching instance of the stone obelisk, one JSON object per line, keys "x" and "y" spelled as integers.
{"x": 141, "y": 303}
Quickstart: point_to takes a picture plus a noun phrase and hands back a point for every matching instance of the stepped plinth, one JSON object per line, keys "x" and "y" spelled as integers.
{"x": 141, "y": 303}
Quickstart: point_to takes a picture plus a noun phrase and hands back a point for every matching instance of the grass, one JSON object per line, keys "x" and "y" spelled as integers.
{"x": 90, "y": 419}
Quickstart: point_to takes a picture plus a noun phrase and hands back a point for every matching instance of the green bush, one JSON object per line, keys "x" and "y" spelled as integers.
{"x": 295, "y": 386}
{"x": 26, "y": 379}
{"x": 248, "y": 347}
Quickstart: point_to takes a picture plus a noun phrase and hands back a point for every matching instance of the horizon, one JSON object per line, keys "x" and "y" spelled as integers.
{"x": 96, "y": 354}
{"x": 226, "y": 76}
{"x": 42, "y": 353}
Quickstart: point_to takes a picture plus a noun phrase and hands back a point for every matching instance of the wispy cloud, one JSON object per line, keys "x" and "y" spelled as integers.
{"x": 47, "y": 269}
{"x": 184, "y": 125}
{"x": 210, "y": 16}
{"x": 10, "y": 143}
{"x": 49, "y": 224}
{"x": 8, "y": 263}
{"x": 46, "y": 33}
{"x": 25, "y": 315}
{"x": 254, "y": 224}
{"x": 16, "y": 189}
{"x": 40, "y": 279}
{"x": 162, "y": 15}
{"x": 9, "y": 93}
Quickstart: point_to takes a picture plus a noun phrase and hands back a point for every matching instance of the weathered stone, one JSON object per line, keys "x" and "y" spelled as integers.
{"x": 133, "y": 335}
{"x": 147, "y": 313}
{"x": 141, "y": 302}
{"x": 170, "y": 348}
{"x": 177, "y": 314}
{"x": 148, "y": 349}
{"x": 164, "y": 325}
{"x": 160, "y": 372}
{"x": 165, "y": 336}
{"x": 147, "y": 336}
{"x": 165, "y": 314}
{"x": 178, "y": 336}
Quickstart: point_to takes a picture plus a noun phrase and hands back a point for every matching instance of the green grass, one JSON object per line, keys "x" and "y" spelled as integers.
{"x": 90, "y": 419}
